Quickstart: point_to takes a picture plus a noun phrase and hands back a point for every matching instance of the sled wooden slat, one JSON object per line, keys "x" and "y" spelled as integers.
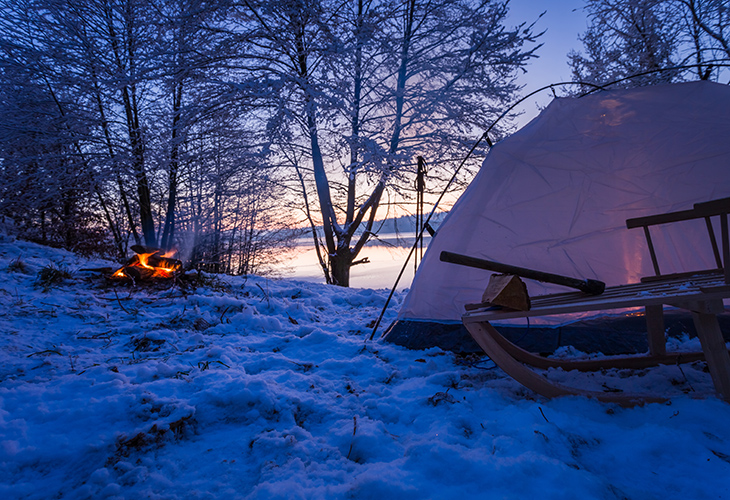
{"x": 674, "y": 292}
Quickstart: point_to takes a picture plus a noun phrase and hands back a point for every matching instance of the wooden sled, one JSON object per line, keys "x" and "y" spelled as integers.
{"x": 701, "y": 293}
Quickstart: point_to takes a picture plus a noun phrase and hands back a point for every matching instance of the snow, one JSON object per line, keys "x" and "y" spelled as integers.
{"x": 259, "y": 388}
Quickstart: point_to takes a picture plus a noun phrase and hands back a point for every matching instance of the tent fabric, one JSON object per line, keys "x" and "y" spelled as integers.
{"x": 555, "y": 195}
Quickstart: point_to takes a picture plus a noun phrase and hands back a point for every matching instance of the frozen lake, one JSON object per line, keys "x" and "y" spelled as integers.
{"x": 386, "y": 260}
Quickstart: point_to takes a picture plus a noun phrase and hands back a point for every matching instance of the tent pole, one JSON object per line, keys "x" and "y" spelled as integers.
{"x": 420, "y": 190}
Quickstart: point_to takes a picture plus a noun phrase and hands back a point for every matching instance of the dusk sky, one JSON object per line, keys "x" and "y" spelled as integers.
{"x": 563, "y": 21}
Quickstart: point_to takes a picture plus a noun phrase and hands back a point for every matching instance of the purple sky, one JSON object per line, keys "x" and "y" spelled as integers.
{"x": 563, "y": 21}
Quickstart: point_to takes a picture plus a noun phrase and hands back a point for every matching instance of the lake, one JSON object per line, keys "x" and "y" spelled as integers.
{"x": 386, "y": 260}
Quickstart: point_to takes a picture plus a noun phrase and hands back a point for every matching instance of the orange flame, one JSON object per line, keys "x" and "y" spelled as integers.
{"x": 142, "y": 260}
{"x": 163, "y": 272}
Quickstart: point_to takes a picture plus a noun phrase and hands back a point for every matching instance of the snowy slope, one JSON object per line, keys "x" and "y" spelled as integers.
{"x": 268, "y": 389}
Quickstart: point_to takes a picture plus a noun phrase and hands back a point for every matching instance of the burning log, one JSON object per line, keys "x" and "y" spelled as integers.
{"x": 149, "y": 264}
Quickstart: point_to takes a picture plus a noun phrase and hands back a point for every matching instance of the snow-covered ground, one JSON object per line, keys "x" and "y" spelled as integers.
{"x": 266, "y": 389}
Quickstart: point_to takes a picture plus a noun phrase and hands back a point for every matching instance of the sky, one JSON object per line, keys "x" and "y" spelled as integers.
{"x": 562, "y": 22}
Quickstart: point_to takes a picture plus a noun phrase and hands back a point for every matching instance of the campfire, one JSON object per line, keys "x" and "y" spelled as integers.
{"x": 149, "y": 264}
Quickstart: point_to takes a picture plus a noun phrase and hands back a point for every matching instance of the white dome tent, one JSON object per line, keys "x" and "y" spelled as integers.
{"x": 555, "y": 197}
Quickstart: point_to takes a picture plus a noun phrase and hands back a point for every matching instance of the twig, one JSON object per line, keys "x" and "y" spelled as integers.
{"x": 224, "y": 313}
{"x": 87, "y": 368}
{"x": 354, "y": 431}
{"x": 679, "y": 358}
{"x": 120, "y": 303}
{"x": 173, "y": 345}
{"x": 543, "y": 414}
{"x": 266, "y": 295}
{"x": 47, "y": 351}
{"x": 204, "y": 365}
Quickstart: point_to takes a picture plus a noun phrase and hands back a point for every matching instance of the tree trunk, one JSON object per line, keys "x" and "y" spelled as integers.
{"x": 44, "y": 237}
{"x": 113, "y": 158}
{"x": 217, "y": 227}
{"x": 355, "y": 119}
{"x": 340, "y": 265}
{"x": 128, "y": 210}
{"x": 112, "y": 226}
{"x": 341, "y": 260}
{"x": 330, "y": 226}
{"x": 168, "y": 232}
{"x": 145, "y": 202}
{"x": 68, "y": 222}
{"x": 323, "y": 263}
{"x": 131, "y": 111}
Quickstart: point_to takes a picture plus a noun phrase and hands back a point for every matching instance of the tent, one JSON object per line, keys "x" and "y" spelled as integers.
{"x": 555, "y": 196}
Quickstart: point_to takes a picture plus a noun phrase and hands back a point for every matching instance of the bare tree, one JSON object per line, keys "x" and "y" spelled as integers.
{"x": 708, "y": 29}
{"x": 48, "y": 182}
{"x": 377, "y": 81}
{"x": 644, "y": 41}
{"x": 101, "y": 99}
{"x": 625, "y": 38}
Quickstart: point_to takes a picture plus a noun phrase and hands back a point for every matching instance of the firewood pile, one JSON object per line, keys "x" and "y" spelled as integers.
{"x": 148, "y": 264}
